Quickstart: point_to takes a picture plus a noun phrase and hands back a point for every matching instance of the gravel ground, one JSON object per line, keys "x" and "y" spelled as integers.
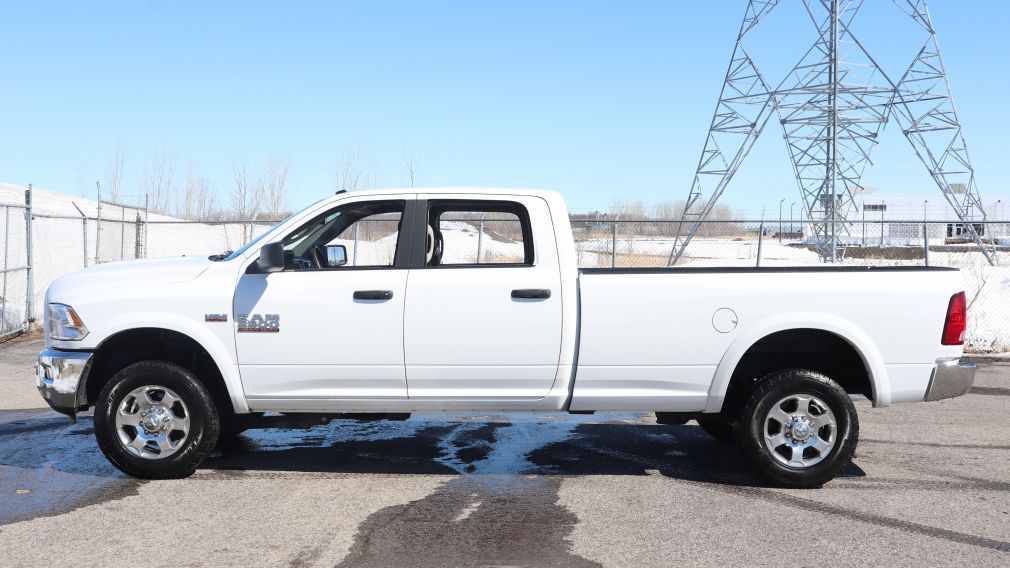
{"x": 930, "y": 486}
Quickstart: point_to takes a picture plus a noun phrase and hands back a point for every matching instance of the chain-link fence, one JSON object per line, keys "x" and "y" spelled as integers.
{"x": 618, "y": 244}
{"x": 16, "y": 277}
{"x": 65, "y": 244}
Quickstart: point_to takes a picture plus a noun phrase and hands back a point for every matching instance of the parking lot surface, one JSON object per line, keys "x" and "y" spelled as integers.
{"x": 930, "y": 485}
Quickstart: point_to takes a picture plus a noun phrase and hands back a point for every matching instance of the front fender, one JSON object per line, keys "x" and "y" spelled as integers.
{"x": 841, "y": 327}
{"x": 213, "y": 344}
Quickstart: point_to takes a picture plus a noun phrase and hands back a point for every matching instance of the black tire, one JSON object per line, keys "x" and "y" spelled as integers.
{"x": 751, "y": 428}
{"x": 717, "y": 426}
{"x": 204, "y": 424}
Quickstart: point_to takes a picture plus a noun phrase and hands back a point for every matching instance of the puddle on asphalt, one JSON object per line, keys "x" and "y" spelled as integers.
{"x": 49, "y": 466}
{"x": 498, "y": 506}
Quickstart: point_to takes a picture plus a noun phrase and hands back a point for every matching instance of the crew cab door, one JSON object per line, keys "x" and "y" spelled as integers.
{"x": 330, "y": 325}
{"x": 484, "y": 314}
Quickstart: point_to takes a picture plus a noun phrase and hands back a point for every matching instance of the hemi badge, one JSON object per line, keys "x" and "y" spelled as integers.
{"x": 215, "y": 317}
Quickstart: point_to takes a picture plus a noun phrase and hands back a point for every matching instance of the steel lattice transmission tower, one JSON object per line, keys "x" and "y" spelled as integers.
{"x": 832, "y": 107}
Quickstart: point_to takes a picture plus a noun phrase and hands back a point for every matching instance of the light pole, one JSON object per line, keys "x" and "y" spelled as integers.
{"x": 791, "y": 205}
{"x": 780, "y": 219}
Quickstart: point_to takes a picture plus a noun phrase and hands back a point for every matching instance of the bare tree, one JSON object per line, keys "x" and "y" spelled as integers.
{"x": 159, "y": 180}
{"x": 114, "y": 177}
{"x": 276, "y": 185}
{"x": 247, "y": 194}
{"x": 352, "y": 173}
{"x": 411, "y": 166}
{"x": 240, "y": 191}
{"x": 198, "y": 202}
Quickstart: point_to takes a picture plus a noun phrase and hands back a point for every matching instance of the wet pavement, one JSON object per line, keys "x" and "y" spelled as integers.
{"x": 930, "y": 485}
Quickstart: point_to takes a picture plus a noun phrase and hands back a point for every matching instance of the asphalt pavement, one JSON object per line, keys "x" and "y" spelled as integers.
{"x": 930, "y": 485}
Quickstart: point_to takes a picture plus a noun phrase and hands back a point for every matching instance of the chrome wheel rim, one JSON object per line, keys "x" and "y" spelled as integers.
{"x": 152, "y": 422}
{"x": 800, "y": 431}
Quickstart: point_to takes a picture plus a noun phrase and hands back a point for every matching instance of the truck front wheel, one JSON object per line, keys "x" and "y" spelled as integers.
{"x": 155, "y": 420}
{"x": 799, "y": 428}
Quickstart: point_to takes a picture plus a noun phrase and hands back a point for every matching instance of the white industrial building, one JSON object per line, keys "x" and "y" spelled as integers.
{"x": 905, "y": 215}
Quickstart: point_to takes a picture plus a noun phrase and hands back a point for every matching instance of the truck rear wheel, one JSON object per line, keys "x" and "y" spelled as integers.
{"x": 155, "y": 420}
{"x": 799, "y": 428}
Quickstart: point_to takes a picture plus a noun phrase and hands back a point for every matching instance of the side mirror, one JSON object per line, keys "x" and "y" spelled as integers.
{"x": 271, "y": 258}
{"x": 336, "y": 255}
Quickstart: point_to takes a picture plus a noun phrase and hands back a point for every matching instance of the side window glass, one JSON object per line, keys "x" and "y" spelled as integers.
{"x": 476, "y": 234}
{"x": 371, "y": 241}
{"x": 357, "y": 235}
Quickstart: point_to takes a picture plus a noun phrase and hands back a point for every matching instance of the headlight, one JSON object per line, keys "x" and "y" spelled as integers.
{"x": 64, "y": 324}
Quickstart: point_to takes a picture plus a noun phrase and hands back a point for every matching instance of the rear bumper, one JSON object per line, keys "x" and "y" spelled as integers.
{"x": 951, "y": 377}
{"x": 60, "y": 377}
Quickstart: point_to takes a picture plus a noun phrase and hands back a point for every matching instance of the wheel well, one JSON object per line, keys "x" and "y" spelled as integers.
{"x": 144, "y": 344}
{"x": 814, "y": 349}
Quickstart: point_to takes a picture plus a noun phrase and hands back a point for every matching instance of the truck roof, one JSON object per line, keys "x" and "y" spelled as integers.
{"x": 460, "y": 190}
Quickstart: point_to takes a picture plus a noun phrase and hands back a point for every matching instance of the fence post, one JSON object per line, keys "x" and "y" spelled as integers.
{"x": 147, "y": 211}
{"x": 3, "y": 305}
{"x": 84, "y": 237}
{"x": 480, "y": 238}
{"x": 138, "y": 247}
{"x": 122, "y": 232}
{"x": 761, "y": 235}
{"x": 84, "y": 232}
{"x": 613, "y": 246}
{"x": 98, "y": 225}
{"x": 925, "y": 243}
{"x": 355, "y": 258}
{"x": 31, "y": 277}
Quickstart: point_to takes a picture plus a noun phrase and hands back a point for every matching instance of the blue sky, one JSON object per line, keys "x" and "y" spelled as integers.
{"x": 599, "y": 100}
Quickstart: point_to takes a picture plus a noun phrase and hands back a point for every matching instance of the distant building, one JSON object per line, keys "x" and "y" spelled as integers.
{"x": 904, "y": 214}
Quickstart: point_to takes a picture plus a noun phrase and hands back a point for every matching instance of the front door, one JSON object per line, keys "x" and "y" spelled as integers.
{"x": 330, "y": 325}
{"x": 484, "y": 313}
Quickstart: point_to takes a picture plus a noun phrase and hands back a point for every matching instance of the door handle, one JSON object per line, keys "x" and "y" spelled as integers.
{"x": 373, "y": 294}
{"x": 531, "y": 294}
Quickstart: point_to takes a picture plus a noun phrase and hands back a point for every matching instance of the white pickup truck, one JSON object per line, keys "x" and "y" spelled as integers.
{"x": 174, "y": 353}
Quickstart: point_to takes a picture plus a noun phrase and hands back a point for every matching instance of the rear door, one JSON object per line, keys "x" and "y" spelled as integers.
{"x": 483, "y": 318}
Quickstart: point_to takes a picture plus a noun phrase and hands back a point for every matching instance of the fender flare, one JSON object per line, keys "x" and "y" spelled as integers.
{"x": 184, "y": 326}
{"x": 844, "y": 329}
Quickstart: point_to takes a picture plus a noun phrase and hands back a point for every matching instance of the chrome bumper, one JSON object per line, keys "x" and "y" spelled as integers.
{"x": 951, "y": 377}
{"x": 60, "y": 377}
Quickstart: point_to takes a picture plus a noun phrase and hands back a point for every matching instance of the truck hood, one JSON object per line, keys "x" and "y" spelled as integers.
{"x": 132, "y": 273}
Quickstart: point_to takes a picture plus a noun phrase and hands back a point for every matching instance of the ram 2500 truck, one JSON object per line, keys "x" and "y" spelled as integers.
{"x": 174, "y": 353}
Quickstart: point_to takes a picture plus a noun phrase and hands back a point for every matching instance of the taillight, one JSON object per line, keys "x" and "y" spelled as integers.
{"x": 957, "y": 320}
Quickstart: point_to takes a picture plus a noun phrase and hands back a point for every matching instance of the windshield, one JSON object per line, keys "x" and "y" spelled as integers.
{"x": 252, "y": 243}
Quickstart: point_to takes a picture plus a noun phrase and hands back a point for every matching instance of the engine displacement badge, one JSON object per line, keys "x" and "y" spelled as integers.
{"x": 215, "y": 317}
{"x": 258, "y": 323}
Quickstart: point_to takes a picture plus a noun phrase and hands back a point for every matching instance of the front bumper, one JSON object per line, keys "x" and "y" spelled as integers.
{"x": 60, "y": 377}
{"x": 951, "y": 377}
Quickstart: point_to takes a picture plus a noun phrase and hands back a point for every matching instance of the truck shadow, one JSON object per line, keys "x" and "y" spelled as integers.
{"x": 521, "y": 446}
